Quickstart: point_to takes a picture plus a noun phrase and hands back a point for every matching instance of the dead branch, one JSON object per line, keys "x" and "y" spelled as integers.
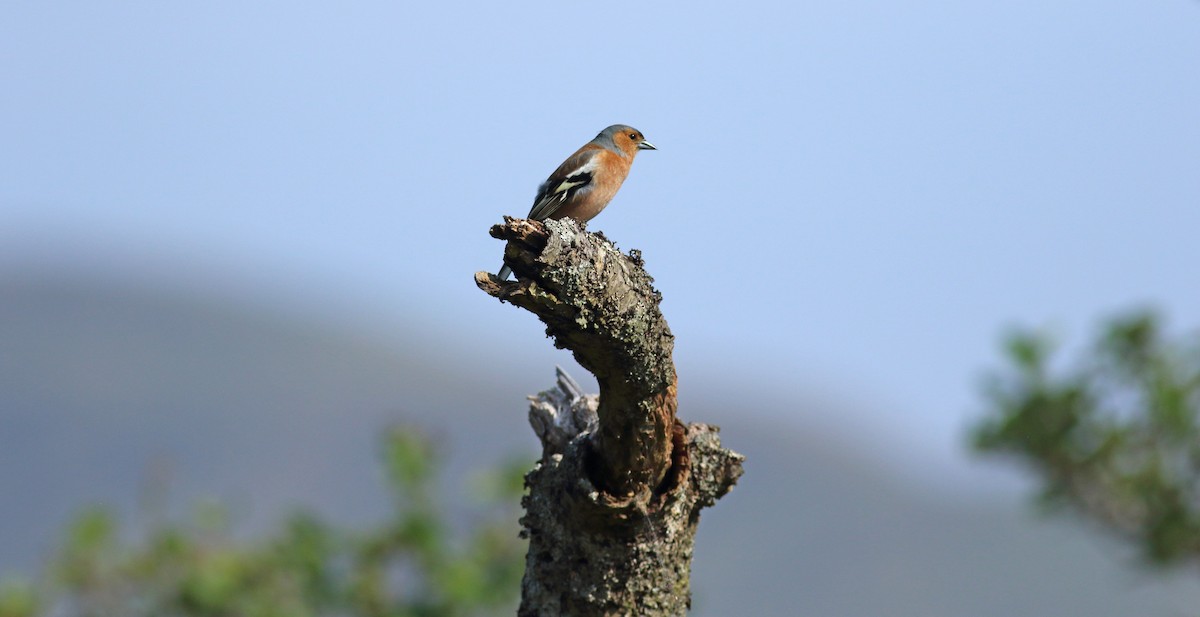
{"x": 613, "y": 504}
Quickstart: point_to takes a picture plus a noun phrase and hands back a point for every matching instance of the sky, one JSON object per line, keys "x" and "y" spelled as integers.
{"x": 851, "y": 200}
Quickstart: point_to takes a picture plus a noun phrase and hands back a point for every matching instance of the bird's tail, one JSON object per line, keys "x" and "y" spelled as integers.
{"x": 504, "y": 272}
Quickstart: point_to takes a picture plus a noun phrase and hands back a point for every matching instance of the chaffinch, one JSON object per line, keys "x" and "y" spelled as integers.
{"x": 584, "y": 184}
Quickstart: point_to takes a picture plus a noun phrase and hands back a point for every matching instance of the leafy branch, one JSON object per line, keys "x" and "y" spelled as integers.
{"x": 1114, "y": 436}
{"x": 405, "y": 566}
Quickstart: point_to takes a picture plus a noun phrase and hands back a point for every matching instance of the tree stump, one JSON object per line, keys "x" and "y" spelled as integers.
{"x": 614, "y": 502}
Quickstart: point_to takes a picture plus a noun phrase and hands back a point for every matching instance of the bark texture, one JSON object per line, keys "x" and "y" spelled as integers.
{"x": 614, "y": 502}
{"x": 602, "y": 306}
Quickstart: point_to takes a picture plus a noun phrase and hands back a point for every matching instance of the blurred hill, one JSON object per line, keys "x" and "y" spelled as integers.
{"x": 109, "y": 389}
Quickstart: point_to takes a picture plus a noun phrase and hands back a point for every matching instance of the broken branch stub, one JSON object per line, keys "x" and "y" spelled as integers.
{"x": 601, "y": 305}
{"x": 613, "y": 504}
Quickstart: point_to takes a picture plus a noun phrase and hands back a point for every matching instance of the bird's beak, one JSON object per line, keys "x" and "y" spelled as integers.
{"x": 645, "y": 145}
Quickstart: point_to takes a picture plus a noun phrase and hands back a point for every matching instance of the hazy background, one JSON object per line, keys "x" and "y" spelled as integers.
{"x": 237, "y": 240}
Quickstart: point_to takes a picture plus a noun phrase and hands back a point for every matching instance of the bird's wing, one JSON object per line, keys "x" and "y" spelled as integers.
{"x": 573, "y": 175}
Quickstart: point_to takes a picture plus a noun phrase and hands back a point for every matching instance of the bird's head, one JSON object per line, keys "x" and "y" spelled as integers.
{"x": 625, "y": 138}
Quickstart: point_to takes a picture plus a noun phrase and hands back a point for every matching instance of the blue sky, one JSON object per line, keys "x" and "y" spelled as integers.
{"x": 850, "y": 200}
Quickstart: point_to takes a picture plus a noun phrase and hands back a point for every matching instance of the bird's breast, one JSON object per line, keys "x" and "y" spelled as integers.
{"x": 590, "y": 200}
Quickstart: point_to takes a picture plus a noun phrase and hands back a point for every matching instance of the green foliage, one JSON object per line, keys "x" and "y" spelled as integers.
{"x": 407, "y": 566}
{"x": 18, "y": 599}
{"x": 1113, "y": 435}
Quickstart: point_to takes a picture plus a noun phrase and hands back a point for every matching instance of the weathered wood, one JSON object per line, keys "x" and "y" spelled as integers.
{"x": 613, "y": 504}
{"x": 602, "y": 306}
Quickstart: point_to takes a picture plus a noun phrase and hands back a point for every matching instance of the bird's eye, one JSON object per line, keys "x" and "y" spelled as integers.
{"x": 633, "y": 136}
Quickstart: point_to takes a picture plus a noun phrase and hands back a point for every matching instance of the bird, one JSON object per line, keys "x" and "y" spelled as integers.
{"x": 584, "y": 183}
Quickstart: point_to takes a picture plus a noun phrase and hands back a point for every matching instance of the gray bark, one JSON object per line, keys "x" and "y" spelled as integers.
{"x": 613, "y": 504}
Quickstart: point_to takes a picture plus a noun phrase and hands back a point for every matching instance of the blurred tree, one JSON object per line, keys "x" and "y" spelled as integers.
{"x": 1113, "y": 436}
{"x": 406, "y": 566}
